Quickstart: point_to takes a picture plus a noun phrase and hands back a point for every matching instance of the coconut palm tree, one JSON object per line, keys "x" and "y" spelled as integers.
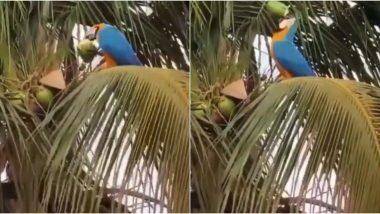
{"x": 298, "y": 145}
{"x": 113, "y": 140}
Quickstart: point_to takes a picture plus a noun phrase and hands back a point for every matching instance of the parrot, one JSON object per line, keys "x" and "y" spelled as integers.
{"x": 289, "y": 60}
{"x": 114, "y": 46}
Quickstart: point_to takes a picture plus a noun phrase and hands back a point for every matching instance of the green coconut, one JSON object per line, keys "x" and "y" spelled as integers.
{"x": 199, "y": 113}
{"x": 87, "y": 50}
{"x": 44, "y": 96}
{"x": 18, "y": 98}
{"x": 277, "y": 8}
{"x": 227, "y": 107}
{"x": 200, "y": 110}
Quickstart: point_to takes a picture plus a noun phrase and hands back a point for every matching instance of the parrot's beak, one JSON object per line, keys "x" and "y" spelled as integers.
{"x": 287, "y": 23}
{"x": 91, "y": 33}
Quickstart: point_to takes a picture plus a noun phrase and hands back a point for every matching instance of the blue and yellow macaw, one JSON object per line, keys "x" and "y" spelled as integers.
{"x": 289, "y": 60}
{"x": 114, "y": 45}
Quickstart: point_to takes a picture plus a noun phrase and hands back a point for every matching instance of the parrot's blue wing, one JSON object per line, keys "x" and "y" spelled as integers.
{"x": 114, "y": 42}
{"x": 291, "y": 33}
{"x": 287, "y": 54}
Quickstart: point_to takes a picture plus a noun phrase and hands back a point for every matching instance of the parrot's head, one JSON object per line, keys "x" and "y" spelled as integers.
{"x": 93, "y": 31}
{"x": 283, "y": 28}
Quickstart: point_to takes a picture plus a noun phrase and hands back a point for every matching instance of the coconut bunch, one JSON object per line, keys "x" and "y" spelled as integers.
{"x": 220, "y": 109}
{"x": 37, "y": 99}
{"x": 23, "y": 98}
{"x": 220, "y": 103}
{"x": 37, "y": 93}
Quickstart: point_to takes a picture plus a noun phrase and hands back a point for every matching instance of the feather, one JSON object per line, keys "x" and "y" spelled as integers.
{"x": 115, "y": 44}
{"x": 290, "y": 58}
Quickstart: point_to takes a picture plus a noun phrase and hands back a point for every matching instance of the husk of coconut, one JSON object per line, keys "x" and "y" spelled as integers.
{"x": 277, "y": 8}
{"x": 227, "y": 107}
{"x": 87, "y": 50}
{"x": 44, "y": 96}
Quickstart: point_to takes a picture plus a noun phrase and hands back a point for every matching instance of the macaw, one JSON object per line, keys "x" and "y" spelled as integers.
{"x": 114, "y": 45}
{"x": 289, "y": 60}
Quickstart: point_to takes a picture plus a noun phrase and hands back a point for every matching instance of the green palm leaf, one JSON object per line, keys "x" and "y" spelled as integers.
{"x": 127, "y": 128}
{"x": 209, "y": 158}
{"x": 24, "y": 149}
{"x": 311, "y": 142}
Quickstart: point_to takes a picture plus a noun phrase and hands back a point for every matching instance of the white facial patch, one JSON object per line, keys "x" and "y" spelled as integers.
{"x": 287, "y": 23}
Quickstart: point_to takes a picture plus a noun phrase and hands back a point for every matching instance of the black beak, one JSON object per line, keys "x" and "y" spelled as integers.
{"x": 91, "y": 33}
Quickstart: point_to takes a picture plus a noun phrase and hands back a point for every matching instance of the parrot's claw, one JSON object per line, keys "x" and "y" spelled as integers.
{"x": 101, "y": 65}
{"x": 96, "y": 44}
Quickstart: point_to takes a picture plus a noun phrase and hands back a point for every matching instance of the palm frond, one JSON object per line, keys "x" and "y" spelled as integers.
{"x": 209, "y": 158}
{"x": 310, "y": 142}
{"x": 215, "y": 58}
{"x": 339, "y": 40}
{"x": 122, "y": 133}
{"x": 23, "y": 151}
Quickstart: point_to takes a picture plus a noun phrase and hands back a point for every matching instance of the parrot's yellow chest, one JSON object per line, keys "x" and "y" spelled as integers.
{"x": 279, "y": 36}
{"x": 109, "y": 61}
